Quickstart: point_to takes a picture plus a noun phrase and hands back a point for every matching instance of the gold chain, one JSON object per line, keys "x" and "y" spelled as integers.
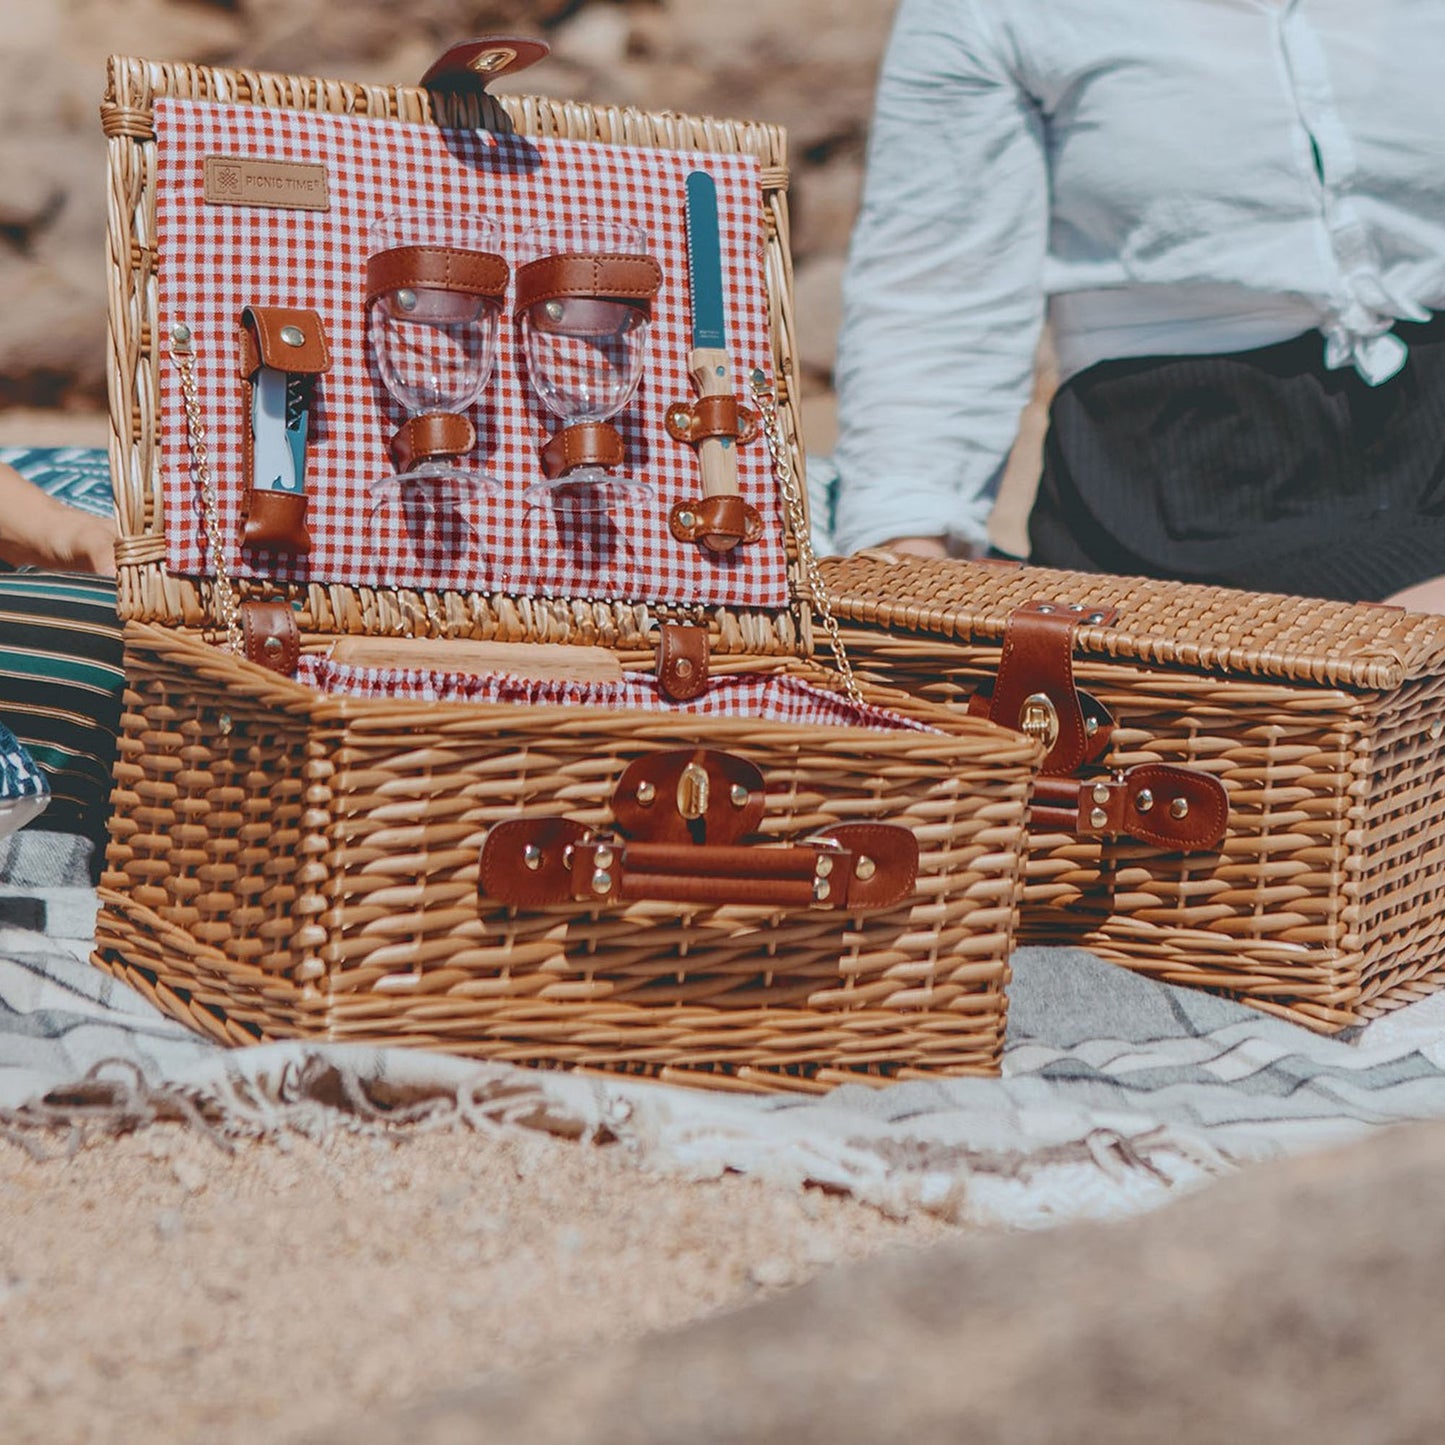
{"x": 223, "y": 597}
{"x": 798, "y": 520}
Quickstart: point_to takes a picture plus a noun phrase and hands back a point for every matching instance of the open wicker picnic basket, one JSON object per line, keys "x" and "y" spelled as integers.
{"x": 1240, "y": 791}
{"x": 725, "y": 864}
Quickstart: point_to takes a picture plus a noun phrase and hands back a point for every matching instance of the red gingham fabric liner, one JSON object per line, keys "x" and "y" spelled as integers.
{"x": 770, "y": 697}
{"x": 216, "y": 259}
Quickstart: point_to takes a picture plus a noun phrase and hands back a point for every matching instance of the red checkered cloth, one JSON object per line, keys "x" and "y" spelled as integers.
{"x": 770, "y": 697}
{"x": 218, "y": 258}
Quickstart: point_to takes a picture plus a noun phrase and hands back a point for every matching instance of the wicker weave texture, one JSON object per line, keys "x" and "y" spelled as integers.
{"x": 1323, "y": 904}
{"x": 289, "y": 865}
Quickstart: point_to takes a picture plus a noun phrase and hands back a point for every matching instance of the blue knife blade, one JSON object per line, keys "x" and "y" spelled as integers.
{"x": 704, "y": 263}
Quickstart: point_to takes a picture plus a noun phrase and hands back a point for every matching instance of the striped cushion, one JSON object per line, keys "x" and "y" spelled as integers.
{"x": 60, "y": 686}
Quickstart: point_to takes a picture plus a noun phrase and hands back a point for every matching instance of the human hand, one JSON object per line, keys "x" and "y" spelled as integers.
{"x": 917, "y": 546}
{"x": 84, "y": 543}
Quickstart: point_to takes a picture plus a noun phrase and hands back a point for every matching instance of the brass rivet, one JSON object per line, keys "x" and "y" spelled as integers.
{"x": 224, "y": 723}
{"x": 553, "y": 310}
{"x": 601, "y": 882}
{"x": 603, "y": 856}
{"x": 1101, "y": 792}
{"x": 532, "y": 856}
{"x": 687, "y": 519}
{"x": 293, "y": 336}
{"x": 824, "y": 866}
{"x": 1144, "y": 801}
{"x": 1095, "y": 617}
{"x": 865, "y": 868}
{"x": 1098, "y": 818}
{"x": 822, "y": 890}
{"x": 646, "y": 794}
{"x": 740, "y": 796}
{"x": 684, "y": 667}
{"x": 1091, "y": 726}
{"x": 1044, "y": 607}
{"x": 271, "y": 645}
{"x": 181, "y": 333}
{"x": 488, "y": 62}
{"x": 1179, "y": 808}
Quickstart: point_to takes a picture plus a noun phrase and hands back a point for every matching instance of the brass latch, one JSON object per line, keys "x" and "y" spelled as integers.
{"x": 692, "y": 792}
{"x": 1039, "y": 719}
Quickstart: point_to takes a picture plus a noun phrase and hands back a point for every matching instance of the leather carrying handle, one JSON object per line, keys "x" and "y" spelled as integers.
{"x": 1180, "y": 810}
{"x": 852, "y": 867}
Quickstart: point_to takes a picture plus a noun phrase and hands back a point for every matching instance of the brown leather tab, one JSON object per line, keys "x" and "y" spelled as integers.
{"x": 719, "y": 523}
{"x": 587, "y": 444}
{"x": 689, "y": 796}
{"x": 1034, "y": 692}
{"x": 632, "y": 280}
{"x": 883, "y": 862}
{"x": 286, "y": 338}
{"x": 682, "y": 661}
{"x": 473, "y": 64}
{"x": 1176, "y": 809}
{"x": 434, "y": 434}
{"x": 276, "y": 522}
{"x": 270, "y": 636}
{"x": 527, "y": 862}
{"x": 711, "y": 416}
{"x": 437, "y": 268}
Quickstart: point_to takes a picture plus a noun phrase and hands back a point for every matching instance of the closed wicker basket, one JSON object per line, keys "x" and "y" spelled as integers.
{"x": 290, "y": 860}
{"x": 1322, "y": 720}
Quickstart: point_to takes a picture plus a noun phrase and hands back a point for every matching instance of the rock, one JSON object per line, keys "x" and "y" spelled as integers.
{"x": 1294, "y": 1303}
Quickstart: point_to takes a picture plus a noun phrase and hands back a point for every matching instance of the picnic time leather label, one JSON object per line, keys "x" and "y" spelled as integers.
{"x": 247, "y": 181}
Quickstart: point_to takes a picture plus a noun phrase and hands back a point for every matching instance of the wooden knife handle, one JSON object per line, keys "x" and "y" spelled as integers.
{"x": 712, "y": 375}
{"x": 519, "y": 659}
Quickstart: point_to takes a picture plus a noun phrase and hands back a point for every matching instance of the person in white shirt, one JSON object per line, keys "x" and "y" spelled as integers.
{"x": 1232, "y": 213}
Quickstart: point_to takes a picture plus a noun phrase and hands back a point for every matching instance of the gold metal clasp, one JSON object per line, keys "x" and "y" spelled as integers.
{"x": 1039, "y": 719}
{"x": 692, "y": 792}
{"x": 489, "y": 62}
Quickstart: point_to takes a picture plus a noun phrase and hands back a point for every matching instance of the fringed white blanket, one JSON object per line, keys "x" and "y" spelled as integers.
{"x": 1117, "y": 1093}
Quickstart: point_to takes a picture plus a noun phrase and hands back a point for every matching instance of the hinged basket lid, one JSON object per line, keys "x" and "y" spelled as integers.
{"x": 1362, "y": 647}
{"x": 338, "y": 155}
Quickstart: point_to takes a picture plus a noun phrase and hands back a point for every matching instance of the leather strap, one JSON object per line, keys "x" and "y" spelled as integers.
{"x": 471, "y": 65}
{"x": 689, "y": 795}
{"x": 534, "y": 862}
{"x": 291, "y": 339}
{"x": 1180, "y": 810}
{"x": 434, "y": 434}
{"x": 719, "y": 523}
{"x": 682, "y": 661}
{"x": 712, "y": 416}
{"x": 1035, "y": 682}
{"x": 436, "y": 268}
{"x": 587, "y": 444}
{"x": 276, "y": 522}
{"x": 632, "y": 280}
{"x": 270, "y": 635}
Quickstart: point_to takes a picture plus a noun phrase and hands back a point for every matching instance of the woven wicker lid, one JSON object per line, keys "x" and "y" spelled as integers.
{"x": 1172, "y": 624}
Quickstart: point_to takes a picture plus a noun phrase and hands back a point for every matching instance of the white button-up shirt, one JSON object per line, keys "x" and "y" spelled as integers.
{"x": 1170, "y": 176}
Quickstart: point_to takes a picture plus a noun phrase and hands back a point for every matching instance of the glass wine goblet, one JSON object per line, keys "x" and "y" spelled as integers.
{"x": 435, "y": 287}
{"x": 584, "y": 297}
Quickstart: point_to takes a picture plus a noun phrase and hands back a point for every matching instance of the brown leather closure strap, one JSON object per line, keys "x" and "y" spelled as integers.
{"x": 1180, "y": 810}
{"x": 720, "y": 523}
{"x": 682, "y": 661}
{"x": 711, "y": 416}
{"x": 587, "y": 444}
{"x": 632, "y": 280}
{"x": 284, "y": 337}
{"x": 275, "y": 522}
{"x": 433, "y": 434}
{"x": 1034, "y": 692}
{"x": 689, "y": 795}
{"x": 472, "y": 64}
{"x": 854, "y": 866}
{"x": 437, "y": 268}
{"x": 270, "y": 635}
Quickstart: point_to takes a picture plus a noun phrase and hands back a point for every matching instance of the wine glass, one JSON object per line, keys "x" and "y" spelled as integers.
{"x": 435, "y": 287}
{"x": 585, "y": 350}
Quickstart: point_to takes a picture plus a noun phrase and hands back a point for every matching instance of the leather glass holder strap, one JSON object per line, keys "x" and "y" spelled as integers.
{"x": 581, "y": 294}
{"x": 290, "y": 341}
{"x": 682, "y": 661}
{"x": 1174, "y": 808}
{"x": 435, "y": 268}
{"x": 682, "y": 818}
{"x": 270, "y": 636}
{"x": 722, "y": 522}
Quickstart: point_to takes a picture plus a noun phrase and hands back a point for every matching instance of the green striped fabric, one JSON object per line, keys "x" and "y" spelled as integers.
{"x": 60, "y": 686}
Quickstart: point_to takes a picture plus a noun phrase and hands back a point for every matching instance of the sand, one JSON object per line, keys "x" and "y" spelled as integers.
{"x": 155, "y": 1289}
